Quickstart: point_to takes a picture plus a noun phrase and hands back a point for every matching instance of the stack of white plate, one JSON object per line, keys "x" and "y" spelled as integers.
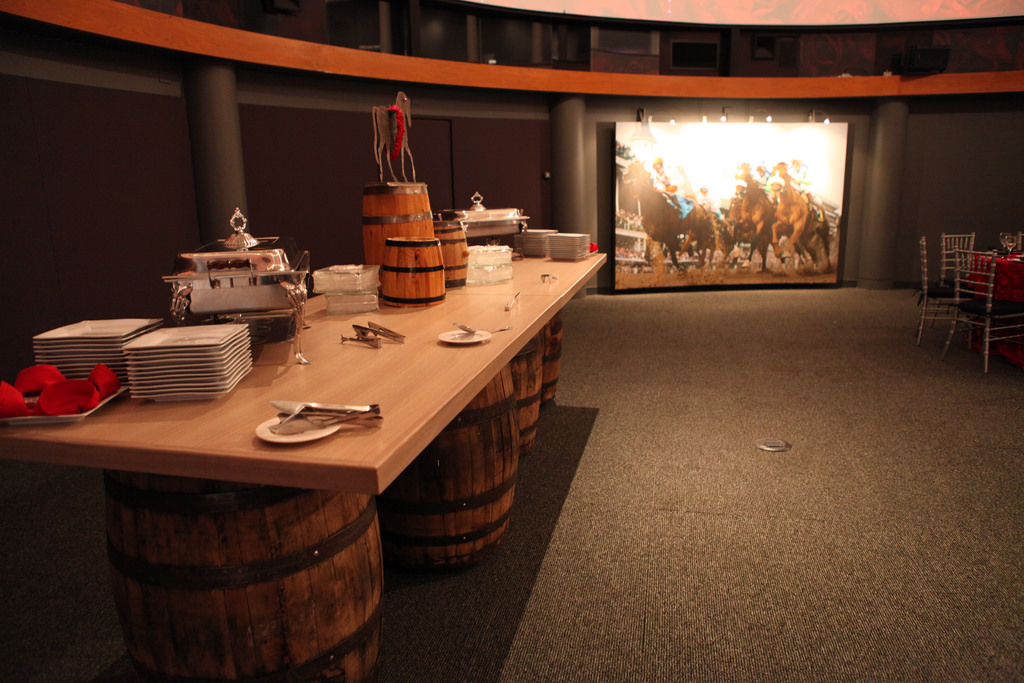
{"x": 185, "y": 363}
{"x": 533, "y": 242}
{"x": 568, "y": 246}
{"x": 76, "y": 349}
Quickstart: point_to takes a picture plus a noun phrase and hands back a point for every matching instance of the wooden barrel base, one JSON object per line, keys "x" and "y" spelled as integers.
{"x": 552, "y": 358}
{"x": 528, "y": 375}
{"x": 451, "y": 506}
{"x": 215, "y": 581}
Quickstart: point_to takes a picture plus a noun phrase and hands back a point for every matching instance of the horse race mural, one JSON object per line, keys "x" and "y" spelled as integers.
{"x": 733, "y": 204}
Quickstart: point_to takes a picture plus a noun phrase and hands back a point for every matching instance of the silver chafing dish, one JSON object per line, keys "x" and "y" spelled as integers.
{"x": 479, "y": 221}
{"x": 259, "y": 281}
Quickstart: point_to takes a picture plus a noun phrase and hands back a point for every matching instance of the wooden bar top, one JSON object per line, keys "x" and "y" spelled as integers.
{"x": 421, "y": 386}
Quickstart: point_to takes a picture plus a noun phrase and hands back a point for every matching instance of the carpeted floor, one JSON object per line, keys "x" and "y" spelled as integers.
{"x": 650, "y": 539}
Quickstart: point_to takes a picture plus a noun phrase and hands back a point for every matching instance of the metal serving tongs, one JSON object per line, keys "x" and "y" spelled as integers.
{"x": 373, "y": 329}
{"x": 374, "y": 342}
{"x": 373, "y": 335}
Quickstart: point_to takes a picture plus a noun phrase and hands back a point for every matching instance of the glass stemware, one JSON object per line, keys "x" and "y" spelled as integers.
{"x": 1008, "y": 240}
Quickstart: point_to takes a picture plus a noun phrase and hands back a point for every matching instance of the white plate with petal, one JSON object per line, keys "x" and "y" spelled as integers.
{"x": 263, "y": 432}
{"x": 456, "y": 337}
{"x": 52, "y": 419}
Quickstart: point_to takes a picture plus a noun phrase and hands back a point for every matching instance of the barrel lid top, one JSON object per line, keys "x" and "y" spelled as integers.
{"x": 395, "y": 188}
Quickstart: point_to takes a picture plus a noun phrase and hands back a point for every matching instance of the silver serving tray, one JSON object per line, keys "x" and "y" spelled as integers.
{"x": 260, "y": 279}
{"x": 219, "y": 280}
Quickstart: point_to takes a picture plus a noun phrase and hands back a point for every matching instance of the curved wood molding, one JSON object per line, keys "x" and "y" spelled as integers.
{"x": 121, "y": 21}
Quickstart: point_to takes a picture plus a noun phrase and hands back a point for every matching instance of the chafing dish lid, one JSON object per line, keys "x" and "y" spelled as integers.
{"x": 213, "y": 258}
{"x": 241, "y": 251}
{"x": 479, "y": 214}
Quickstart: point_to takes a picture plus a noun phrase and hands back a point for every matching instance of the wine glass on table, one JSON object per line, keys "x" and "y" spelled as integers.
{"x": 1009, "y": 241}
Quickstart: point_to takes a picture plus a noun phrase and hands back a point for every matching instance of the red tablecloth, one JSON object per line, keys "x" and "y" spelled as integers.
{"x": 1009, "y": 279}
{"x": 1009, "y": 285}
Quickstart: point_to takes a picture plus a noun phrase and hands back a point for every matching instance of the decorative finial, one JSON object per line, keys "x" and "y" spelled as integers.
{"x": 239, "y": 239}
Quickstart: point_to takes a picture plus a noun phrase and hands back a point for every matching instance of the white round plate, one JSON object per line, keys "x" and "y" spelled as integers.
{"x": 457, "y": 337}
{"x": 263, "y": 432}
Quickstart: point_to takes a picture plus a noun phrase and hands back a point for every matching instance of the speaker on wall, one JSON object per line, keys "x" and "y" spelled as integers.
{"x": 783, "y": 49}
{"x": 762, "y": 46}
{"x": 695, "y": 54}
{"x": 921, "y": 60}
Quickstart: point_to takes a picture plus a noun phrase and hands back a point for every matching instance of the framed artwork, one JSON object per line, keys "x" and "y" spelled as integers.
{"x": 728, "y": 204}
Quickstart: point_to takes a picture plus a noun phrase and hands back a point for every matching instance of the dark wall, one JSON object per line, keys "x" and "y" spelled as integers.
{"x": 97, "y": 196}
{"x": 98, "y": 193}
{"x": 306, "y": 170}
{"x": 962, "y": 171}
{"x": 871, "y": 50}
{"x": 503, "y": 160}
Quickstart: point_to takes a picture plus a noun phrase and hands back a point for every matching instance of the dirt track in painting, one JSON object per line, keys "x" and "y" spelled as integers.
{"x": 693, "y": 277}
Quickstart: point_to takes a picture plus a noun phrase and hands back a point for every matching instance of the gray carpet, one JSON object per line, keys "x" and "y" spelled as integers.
{"x": 651, "y": 540}
{"x": 886, "y": 545}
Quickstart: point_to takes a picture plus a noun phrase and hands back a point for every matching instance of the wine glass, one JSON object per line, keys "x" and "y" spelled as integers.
{"x": 1008, "y": 240}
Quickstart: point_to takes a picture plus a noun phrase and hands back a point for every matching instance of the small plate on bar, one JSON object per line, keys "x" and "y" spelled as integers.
{"x": 263, "y": 432}
{"x": 459, "y": 337}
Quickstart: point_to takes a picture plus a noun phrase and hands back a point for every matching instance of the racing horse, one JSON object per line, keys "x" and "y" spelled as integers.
{"x": 802, "y": 222}
{"x": 752, "y": 215}
{"x": 663, "y": 221}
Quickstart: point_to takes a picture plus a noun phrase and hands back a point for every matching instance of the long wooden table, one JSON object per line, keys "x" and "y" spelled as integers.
{"x": 421, "y": 386}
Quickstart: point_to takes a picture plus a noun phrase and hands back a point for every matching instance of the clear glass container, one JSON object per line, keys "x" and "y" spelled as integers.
{"x": 341, "y": 303}
{"x": 353, "y": 278}
{"x": 489, "y": 264}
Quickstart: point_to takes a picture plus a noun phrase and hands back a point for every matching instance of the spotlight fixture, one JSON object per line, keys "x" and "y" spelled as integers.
{"x": 764, "y": 112}
{"x": 813, "y": 116}
{"x": 725, "y": 114}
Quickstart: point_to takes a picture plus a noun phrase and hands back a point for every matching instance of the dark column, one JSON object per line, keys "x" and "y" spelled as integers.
{"x": 212, "y": 101}
{"x": 384, "y": 15}
{"x": 876, "y": 267}
{"x": 414, "y": 28}
{"x": 473, "y": 39}
{"x": 567, "y": 185}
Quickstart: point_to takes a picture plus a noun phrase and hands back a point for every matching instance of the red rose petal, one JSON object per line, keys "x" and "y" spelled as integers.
{"x": 35, "y": 378}
{"x": 12, "y": 401}
{"x": 105, "y": 380}
{"x": 68, "y": 397}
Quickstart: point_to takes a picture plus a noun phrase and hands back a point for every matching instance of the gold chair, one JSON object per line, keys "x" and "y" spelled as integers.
{"x": 936, "y": 300}
{"x": 947, "y": 262}
{"x": 975, "y": 307}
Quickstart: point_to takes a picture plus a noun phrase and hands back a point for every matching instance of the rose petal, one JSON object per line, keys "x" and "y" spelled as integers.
{"x": 35, "y": 378}
{"x": 68, "y": 397}
{"x": 12, "y": 401}
{"x": 105, "y": 380}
